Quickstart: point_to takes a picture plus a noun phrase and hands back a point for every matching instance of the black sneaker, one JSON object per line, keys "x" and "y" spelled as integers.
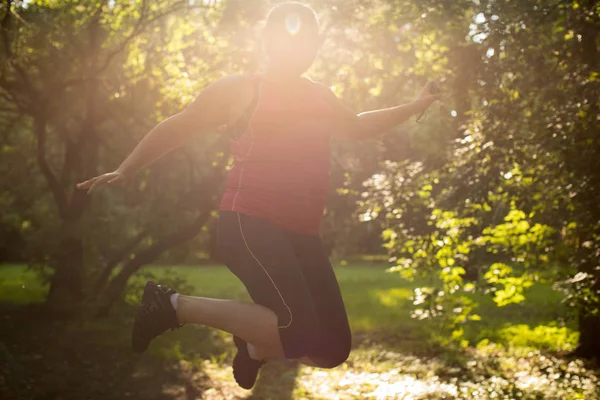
{"x": 245, "y": 369}
{"x": 156, "y": 315}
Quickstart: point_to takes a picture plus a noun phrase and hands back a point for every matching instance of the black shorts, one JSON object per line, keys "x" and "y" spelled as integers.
{"x": 290, "y": 274}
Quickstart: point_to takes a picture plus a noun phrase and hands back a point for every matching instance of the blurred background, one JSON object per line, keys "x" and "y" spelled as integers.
{"x": 466, "y": 245}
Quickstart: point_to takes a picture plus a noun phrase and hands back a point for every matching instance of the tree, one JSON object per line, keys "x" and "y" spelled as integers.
{"x": 518, "y": 186}
{"x": 75, "y": 76}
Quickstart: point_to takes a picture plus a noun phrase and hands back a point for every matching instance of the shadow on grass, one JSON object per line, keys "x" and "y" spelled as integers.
{"x": 42, "y": 357}
{"x": 47, "y": 358}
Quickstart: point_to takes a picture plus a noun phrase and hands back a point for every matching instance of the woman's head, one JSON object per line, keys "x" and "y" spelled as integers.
{"x": 291, "y": 38}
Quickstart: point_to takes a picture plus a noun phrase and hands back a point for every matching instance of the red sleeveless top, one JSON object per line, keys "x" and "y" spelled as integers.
{"x": 281, "y": 169}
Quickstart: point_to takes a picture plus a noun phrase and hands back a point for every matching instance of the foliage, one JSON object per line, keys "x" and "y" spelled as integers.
{"x": 512, "y": 203}
{"x": 82, "y": 82}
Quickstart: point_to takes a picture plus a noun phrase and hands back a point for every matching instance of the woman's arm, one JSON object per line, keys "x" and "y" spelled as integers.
{"x": 211, "y": 109}
{"x": 372, "y": 123}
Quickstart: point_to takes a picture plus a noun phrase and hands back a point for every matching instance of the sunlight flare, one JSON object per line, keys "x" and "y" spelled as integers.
{"x": 293, "y": 23}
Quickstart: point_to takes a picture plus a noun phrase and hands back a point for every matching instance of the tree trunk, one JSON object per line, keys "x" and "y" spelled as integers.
{"x": 589, "y": 342}
{"x": 589, "y": 323}
{"x": 66, "y": 285}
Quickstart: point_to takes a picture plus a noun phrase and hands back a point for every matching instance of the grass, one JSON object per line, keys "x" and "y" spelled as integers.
{"x": 517, "y": 356}
{"x": 376, "y": 301}
{"x": 20, "y": 285}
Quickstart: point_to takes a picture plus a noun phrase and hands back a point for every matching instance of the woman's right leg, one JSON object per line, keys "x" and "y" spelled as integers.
{"x": 251, "y": 322}
{"x": 283, "y": 322}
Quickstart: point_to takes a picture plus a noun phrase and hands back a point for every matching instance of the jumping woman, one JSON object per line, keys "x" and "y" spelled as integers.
{"x": 281, "y": 125}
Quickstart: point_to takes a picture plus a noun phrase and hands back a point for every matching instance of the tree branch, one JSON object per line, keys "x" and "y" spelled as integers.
{"x": 148, "y": 255}
{"x": 10, "y": 56}
{"x": 139, "y": 27}
{"x": 39, "y": 128}
{"x": 115, "y": 260}
{"x": 9, "y": 94}
{"x": 205, "y": 206}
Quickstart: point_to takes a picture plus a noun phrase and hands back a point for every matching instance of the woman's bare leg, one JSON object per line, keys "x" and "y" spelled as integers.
{"x": 251, "y": 322}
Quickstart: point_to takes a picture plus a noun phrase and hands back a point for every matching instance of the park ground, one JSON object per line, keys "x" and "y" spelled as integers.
{"x": 516, "y": 352}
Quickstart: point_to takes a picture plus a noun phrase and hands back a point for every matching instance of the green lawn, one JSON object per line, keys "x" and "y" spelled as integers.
{"x": 20, "y": 285}
{"x": 376, "y": 301}
{"x": 518, "y": 352}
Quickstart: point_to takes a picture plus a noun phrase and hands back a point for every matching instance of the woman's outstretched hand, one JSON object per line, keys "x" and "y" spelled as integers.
{"x": 428, "y": 94}
{"x": 111, "y": 178}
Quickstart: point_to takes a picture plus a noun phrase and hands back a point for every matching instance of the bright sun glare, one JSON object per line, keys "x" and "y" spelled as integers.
{"x": 292, "y": 23}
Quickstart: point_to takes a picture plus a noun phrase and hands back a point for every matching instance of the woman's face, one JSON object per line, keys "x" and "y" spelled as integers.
{"x": 292, "y": 50}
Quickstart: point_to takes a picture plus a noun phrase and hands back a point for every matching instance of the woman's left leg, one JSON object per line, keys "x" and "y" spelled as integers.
{"x": 334, "y": 339}
{"x": 332, "y": 343}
